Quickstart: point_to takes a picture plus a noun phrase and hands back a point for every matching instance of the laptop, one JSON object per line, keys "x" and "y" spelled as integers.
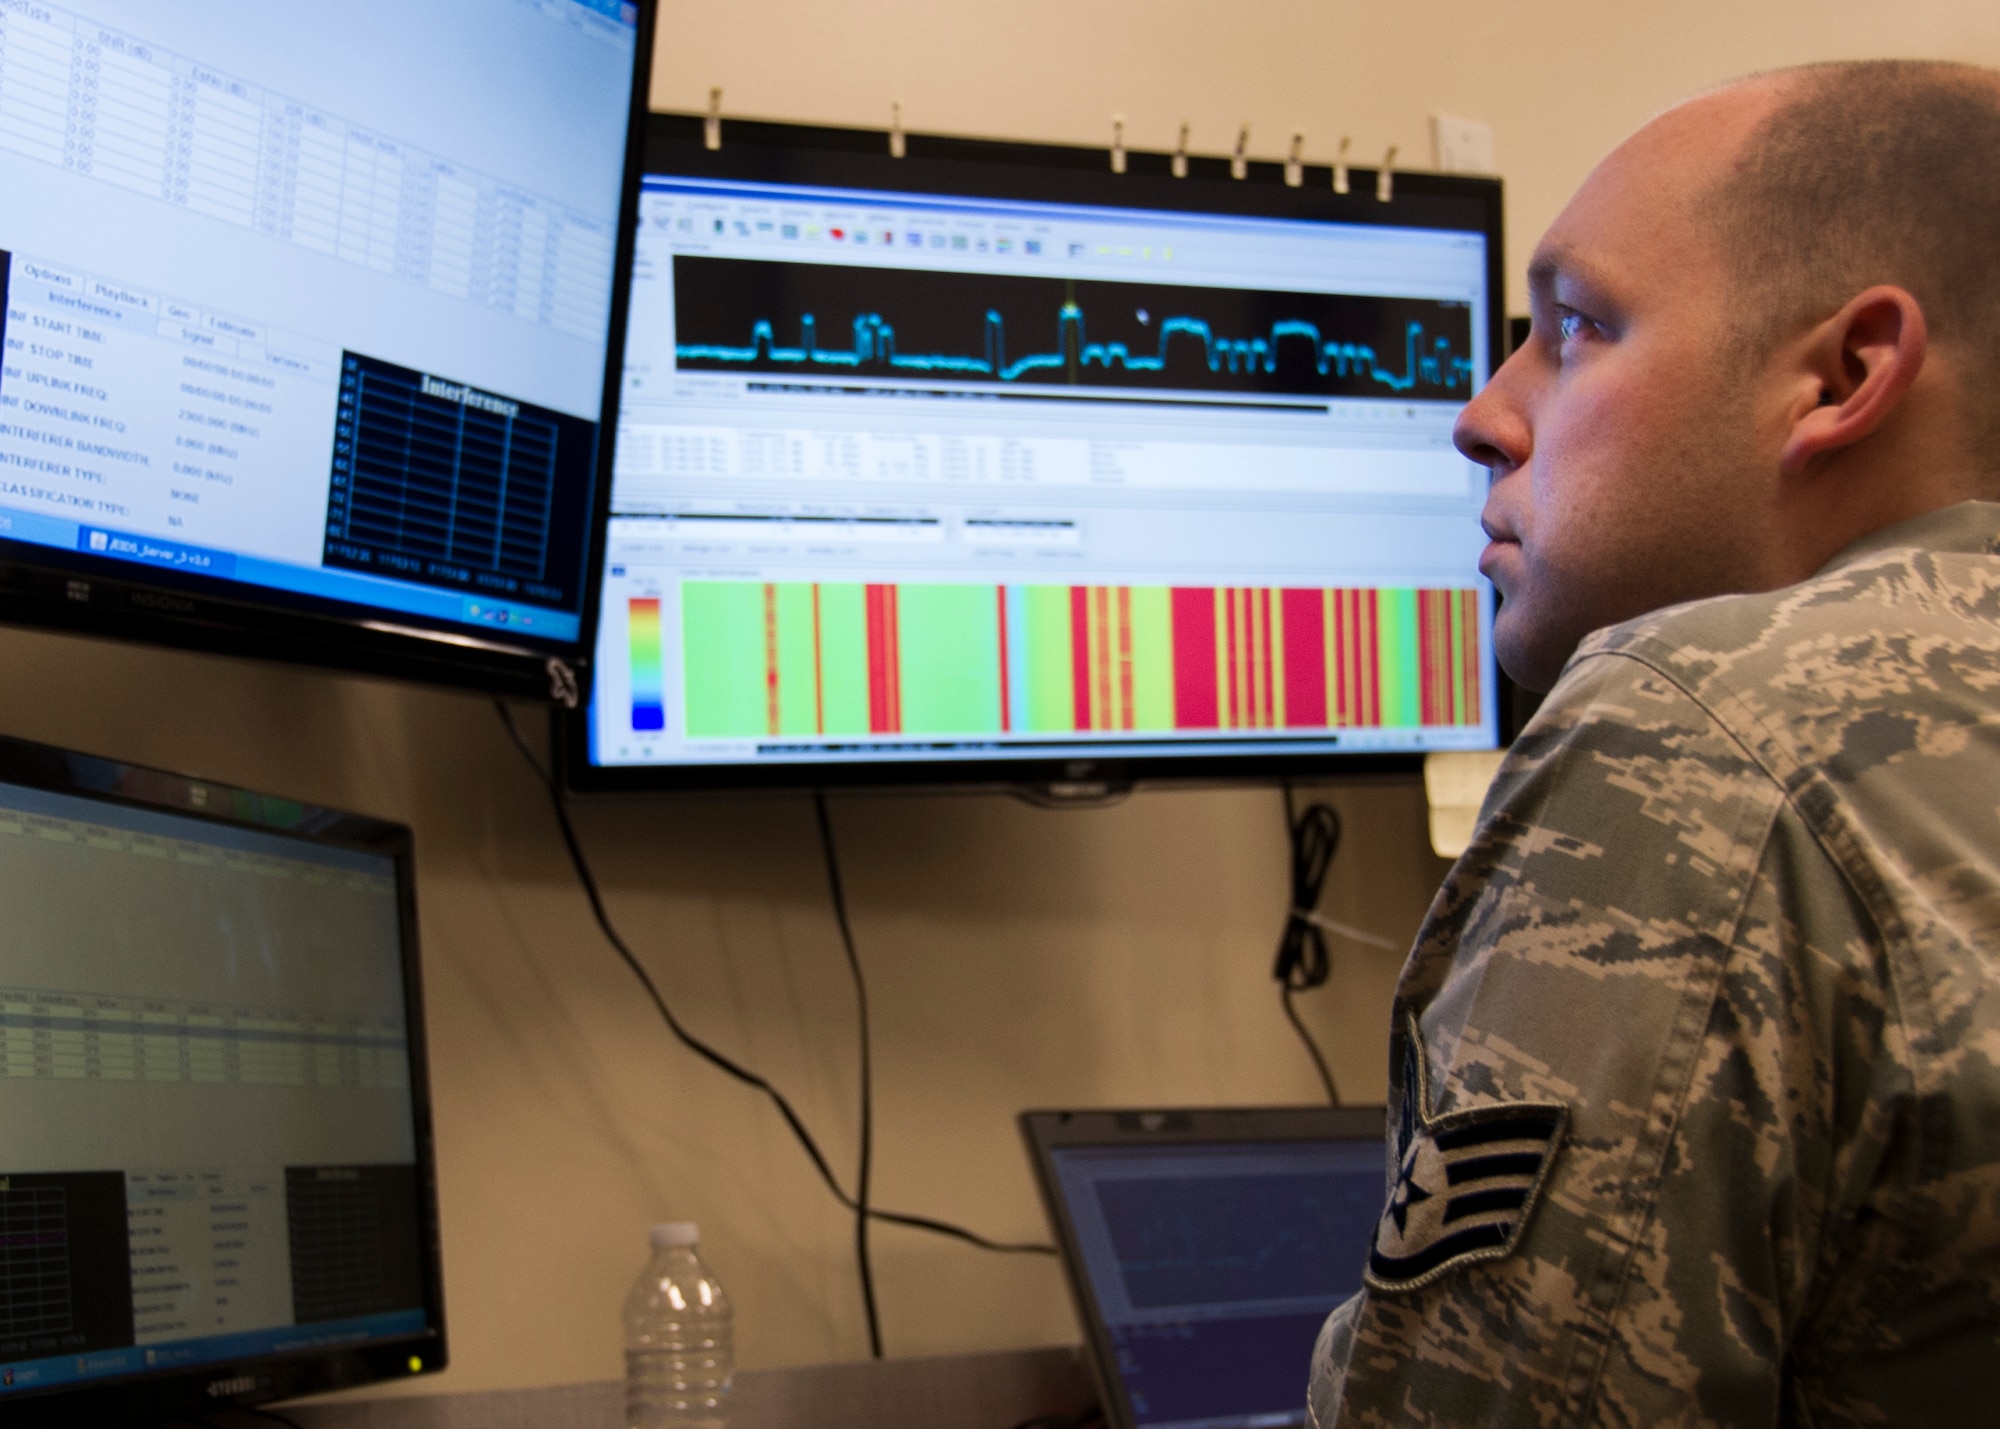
{"x": 1205, "y": 1249}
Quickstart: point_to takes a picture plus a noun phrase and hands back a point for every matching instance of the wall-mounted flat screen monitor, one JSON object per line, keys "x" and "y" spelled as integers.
{"x": 216, "y": 1182}
{"x": 308, "y": 313}
{"x": 991, "y": 464}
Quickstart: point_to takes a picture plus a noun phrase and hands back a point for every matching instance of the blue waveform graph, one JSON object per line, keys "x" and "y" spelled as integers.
{"x": 729, "y": 314}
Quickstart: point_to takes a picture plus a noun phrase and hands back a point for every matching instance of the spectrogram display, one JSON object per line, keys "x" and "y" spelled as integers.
{"x": 803, "y": 659}
{"x": 822, "y": 319}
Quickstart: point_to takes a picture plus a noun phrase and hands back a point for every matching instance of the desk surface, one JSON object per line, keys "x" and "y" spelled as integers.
{"x": 986, "y": 1391}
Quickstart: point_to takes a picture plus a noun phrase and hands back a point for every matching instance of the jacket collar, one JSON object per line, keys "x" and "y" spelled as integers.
{"x": 1969, "y": 528}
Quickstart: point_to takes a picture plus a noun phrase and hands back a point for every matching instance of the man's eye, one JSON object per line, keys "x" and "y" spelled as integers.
{"x": 1572, "y": 325}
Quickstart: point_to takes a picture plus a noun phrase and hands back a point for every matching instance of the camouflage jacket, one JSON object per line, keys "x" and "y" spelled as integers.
{"x": 1695, "y": 1067}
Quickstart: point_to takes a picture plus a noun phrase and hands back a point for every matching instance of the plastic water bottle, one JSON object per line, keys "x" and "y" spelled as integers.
{"x": 680, "y": 1346}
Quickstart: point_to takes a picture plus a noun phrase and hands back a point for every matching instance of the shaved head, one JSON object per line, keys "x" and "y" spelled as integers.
{"x": 1767, "y": 325}
{"x": 1878, "y": 171}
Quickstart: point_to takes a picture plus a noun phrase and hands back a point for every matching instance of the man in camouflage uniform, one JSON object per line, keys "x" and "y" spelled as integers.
{"x": 1695, "y": 1070}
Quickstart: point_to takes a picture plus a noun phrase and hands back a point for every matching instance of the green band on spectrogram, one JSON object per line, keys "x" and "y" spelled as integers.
{"x": 1396, "y": 626}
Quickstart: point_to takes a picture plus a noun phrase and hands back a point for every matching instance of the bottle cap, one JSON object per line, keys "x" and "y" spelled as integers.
{"x": 671, "y": 1233}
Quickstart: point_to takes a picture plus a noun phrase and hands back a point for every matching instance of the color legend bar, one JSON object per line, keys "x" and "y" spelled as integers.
{"x": 649, "y": 707}
{"x": 802, "y": 660}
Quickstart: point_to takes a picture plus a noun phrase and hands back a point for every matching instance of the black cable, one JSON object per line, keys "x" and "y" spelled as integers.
{"x": 688, "y": 1039}
{"x": 709, "y": 1054}
{"x": 1303, "y": 964}
{"x": 838, "y": 893}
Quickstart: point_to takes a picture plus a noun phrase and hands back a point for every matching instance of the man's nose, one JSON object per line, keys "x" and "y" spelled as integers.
{"x": 1492, "y": 429}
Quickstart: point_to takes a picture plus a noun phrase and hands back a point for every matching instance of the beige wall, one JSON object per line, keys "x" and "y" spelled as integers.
{"x": 1561, "y": 81}
{"x": 1018, "y": 957}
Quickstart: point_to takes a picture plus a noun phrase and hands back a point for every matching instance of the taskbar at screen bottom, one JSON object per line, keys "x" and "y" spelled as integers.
{"x": 610, "y": 759}
{"x": 101, "y": 1366}
{"x": 32, "y": 539}
{"x": 869, "y": 751}
{"x": 60, "y": 590}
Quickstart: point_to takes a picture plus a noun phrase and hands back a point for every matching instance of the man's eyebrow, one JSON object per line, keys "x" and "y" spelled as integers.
{"x": 1546, "y": 266}
{"x": 1550, "y": 264}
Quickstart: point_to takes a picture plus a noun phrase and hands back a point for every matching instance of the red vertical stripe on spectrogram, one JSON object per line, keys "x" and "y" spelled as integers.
{"x": 1251, "y": 655}
{"x": 1343, "y": 662}
{"x": 871, "y": 607}
{"x": 1248, "y": 711}
{"x": 1193, "y": 614}
{"x": 1305, "y": 658}
{"x": 1446, "y": 605}
{"x": 1448, "y": 685}
{"x": 1267, "y": 663}
{"x": 1426, "y": 662}
{"x": 1100, "y": 619}
{"x": 1442, "y": 640}
{"x": 1437, "y": 657}
{"x": 1006, "y": 702}
{"x": 1355, "y": 628}
{"x": 1371, "y": 661}
{"x": 881, "y": 659}
{"x": 1125, "y": 657}
{"x": 1468, "y": 644}
{"x": 771, "y": 658}
{"x": 819, "y": 669}
{"x": 894, "y": 626}
{"x": 1079, "y": 654}
{"x": 1233, "y": 663}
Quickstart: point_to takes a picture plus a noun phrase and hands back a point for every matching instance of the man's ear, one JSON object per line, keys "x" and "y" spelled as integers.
{"x": 1863, "y": 359}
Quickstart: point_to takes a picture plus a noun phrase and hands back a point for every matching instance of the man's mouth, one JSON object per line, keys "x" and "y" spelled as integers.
{"x": 1499, "y": 539}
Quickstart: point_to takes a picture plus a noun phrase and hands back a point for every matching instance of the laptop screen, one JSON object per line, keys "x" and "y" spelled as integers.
{"x": 1213, "y": 1267}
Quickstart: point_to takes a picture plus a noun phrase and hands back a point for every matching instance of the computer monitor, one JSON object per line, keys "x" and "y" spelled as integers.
{"x": 216, "y": 1185}
{"x": 1205, "y": 1249}
{"x": 308, "y": 312}
{"x": 992, "y": 463}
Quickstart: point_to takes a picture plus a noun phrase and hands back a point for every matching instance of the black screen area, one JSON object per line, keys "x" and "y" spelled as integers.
{"x": 443, "y": 484}
{"x": 739, "y": 315}
{"x": 353, "y": 1233}
{"x": 66, "y": 1282}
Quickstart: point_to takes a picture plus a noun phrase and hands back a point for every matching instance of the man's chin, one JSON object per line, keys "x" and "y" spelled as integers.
{"x": 1532, "y": 659}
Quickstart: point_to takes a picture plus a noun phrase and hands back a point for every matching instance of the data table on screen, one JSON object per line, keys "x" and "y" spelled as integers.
{"x": 94, "y": 1037}
{"x": 122, "y": 110}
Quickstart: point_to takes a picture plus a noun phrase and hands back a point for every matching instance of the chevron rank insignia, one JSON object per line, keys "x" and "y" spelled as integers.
{"x": 1466, "y": 1181}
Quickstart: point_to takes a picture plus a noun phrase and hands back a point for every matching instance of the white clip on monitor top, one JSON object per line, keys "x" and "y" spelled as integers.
{"x": 217, "y": 1183}
{"x": 1011, "y": 464}
{"x": 308, "y": 315}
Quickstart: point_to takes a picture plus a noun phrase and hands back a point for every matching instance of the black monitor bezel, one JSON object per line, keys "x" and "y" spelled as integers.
{"x": 1046, "y": 1132}
{"x": 76, "y": 593}
{"x": 192, "y": 1391}
{"x": 861, "y": 159}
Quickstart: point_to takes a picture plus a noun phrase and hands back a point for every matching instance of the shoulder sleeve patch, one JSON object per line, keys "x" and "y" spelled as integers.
{"x": 1466, "y": 1182}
